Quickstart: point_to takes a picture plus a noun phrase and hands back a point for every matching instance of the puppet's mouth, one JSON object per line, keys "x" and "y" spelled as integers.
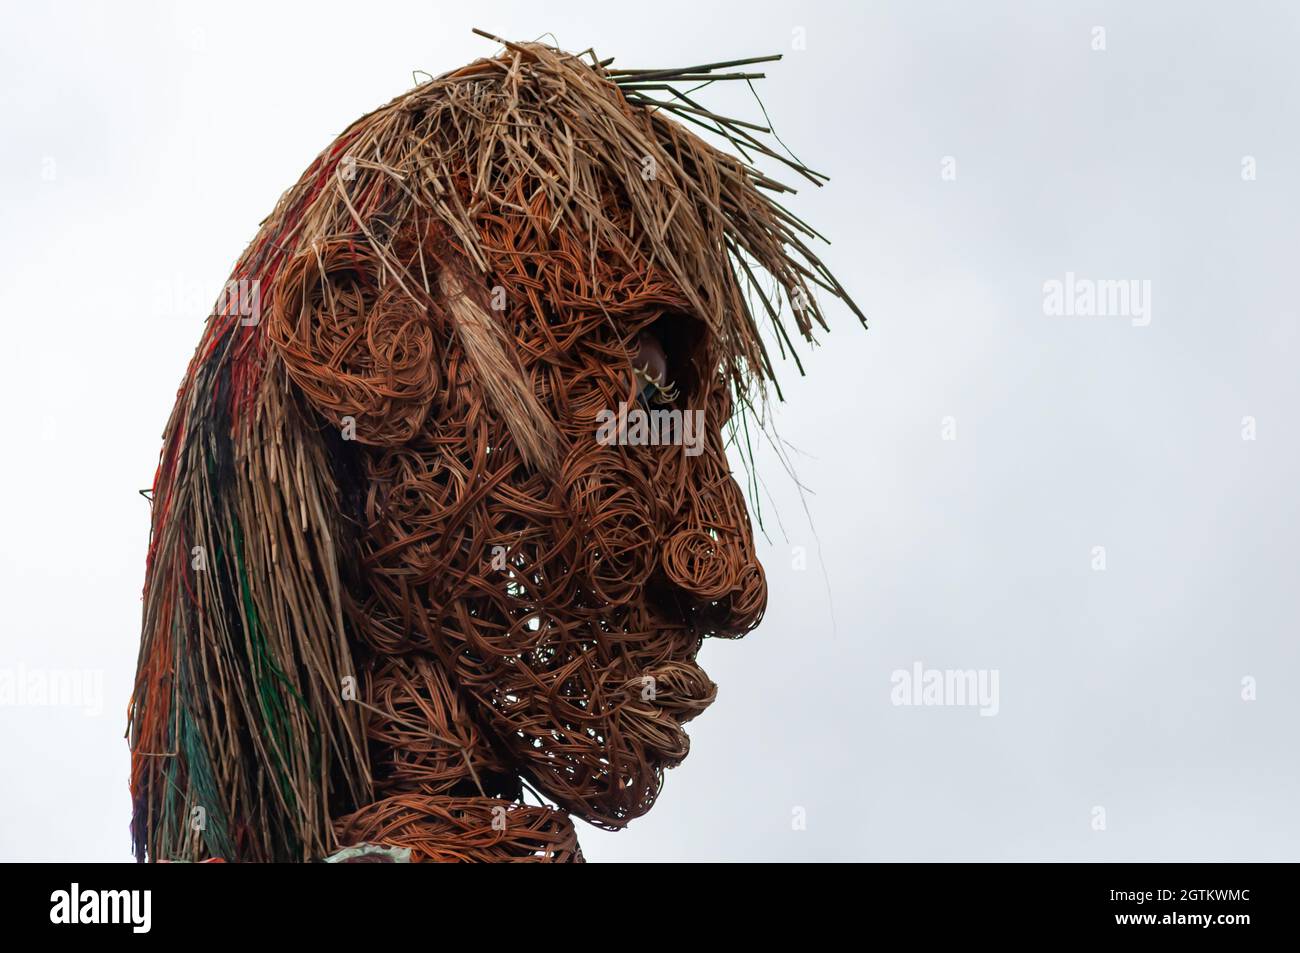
{"x": 661, "y": 701}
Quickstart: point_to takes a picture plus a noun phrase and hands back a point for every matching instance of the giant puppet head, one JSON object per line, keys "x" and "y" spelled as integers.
{"x": 443, "y": 510}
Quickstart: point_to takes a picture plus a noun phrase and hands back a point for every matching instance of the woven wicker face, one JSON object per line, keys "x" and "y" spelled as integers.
{"x": 567, "y": 608}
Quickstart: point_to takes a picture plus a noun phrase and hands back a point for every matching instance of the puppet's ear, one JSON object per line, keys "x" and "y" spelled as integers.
{"x": 356, "y": 341}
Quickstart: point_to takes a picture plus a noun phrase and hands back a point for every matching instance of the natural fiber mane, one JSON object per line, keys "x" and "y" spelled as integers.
{"x": 359, "y": 339}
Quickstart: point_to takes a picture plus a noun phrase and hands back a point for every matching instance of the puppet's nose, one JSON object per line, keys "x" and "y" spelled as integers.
{"x": 721, "y": 577}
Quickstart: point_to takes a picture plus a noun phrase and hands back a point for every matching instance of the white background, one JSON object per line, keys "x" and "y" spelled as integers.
{"x": 142, "y": 144}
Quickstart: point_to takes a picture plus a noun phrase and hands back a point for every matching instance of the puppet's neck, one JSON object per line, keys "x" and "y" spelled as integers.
{"x": 441, "y": 790}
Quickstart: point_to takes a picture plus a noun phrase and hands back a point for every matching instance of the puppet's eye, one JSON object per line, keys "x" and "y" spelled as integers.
{"x": 650, "y": 364}
{"x": 653, "y": 392}
{"x": 669, "y": 356}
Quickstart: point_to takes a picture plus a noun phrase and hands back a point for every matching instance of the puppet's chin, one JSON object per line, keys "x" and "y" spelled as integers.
{"x": 625, "y": 775}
